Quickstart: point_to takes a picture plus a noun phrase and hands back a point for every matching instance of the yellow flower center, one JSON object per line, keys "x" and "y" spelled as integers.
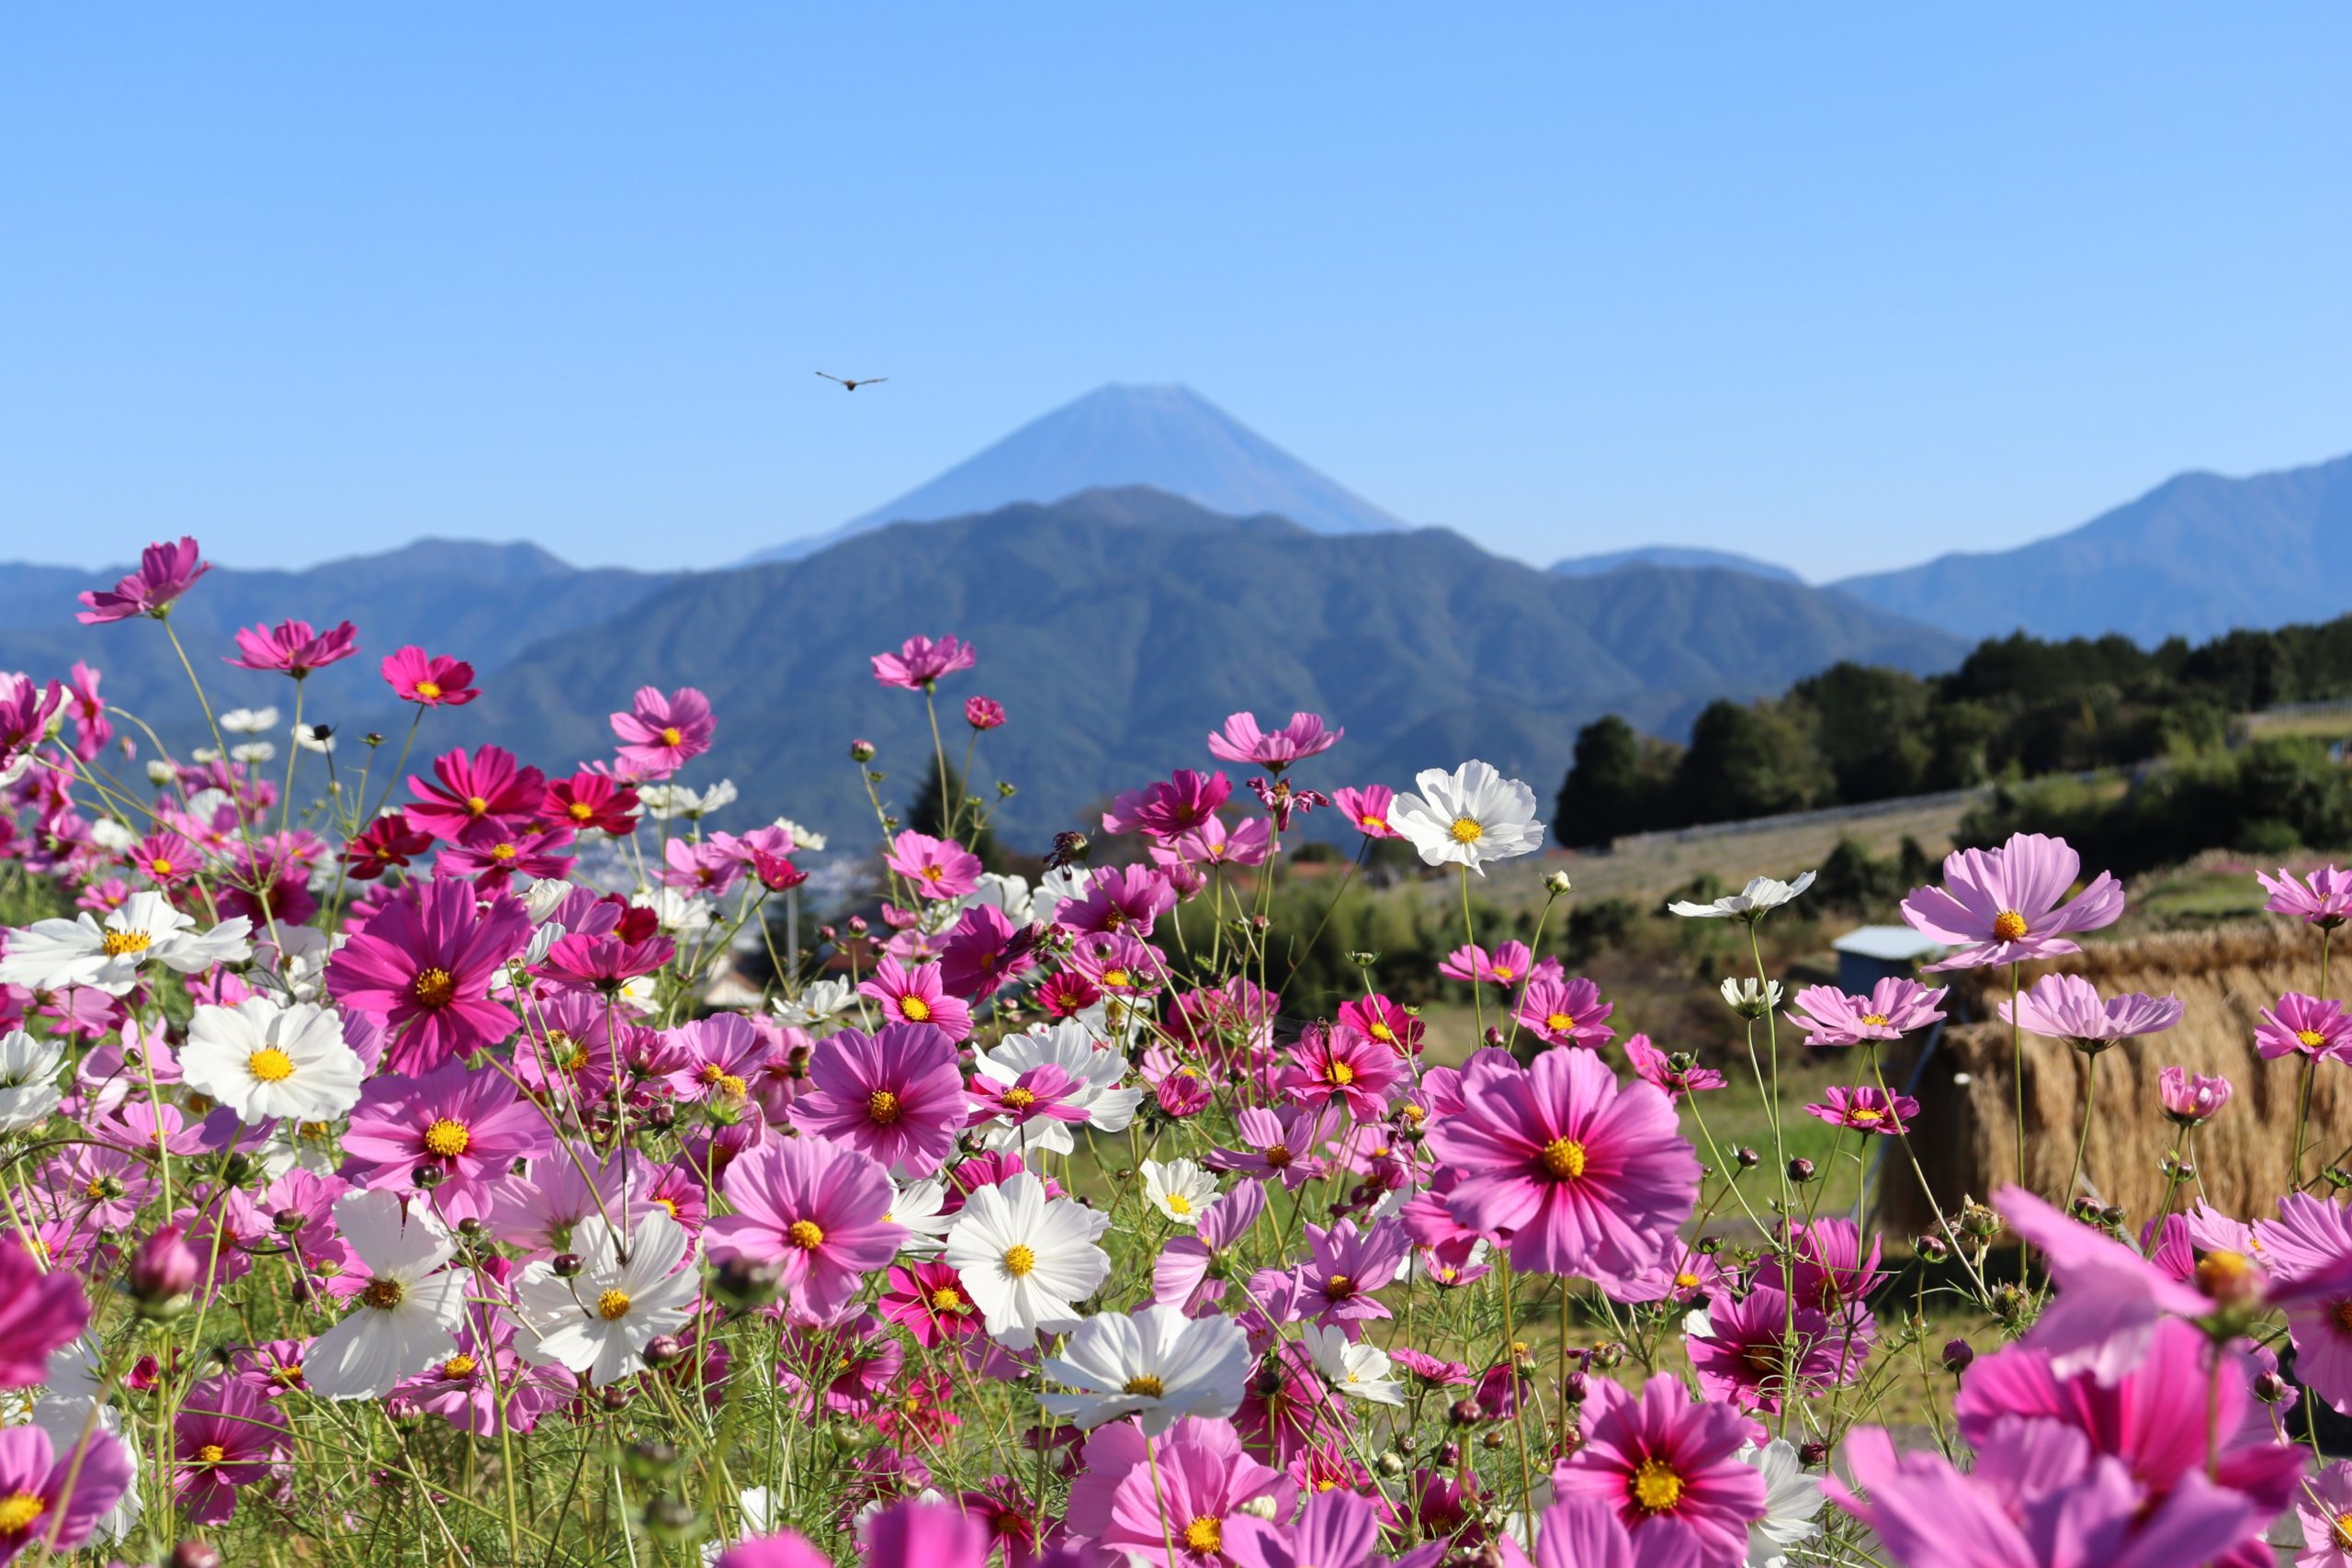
{"x": 1116, "y": 977}
{"x": 1563, "y": 1158}
{"x": 1179, "y": 1204}
{"x": 806, "y": 1234}
{"x": 117, "y": 943}
{"x": 947, "y": 1298}
{"x": 19, "y": 1510}
{"x": 433, "y": 988}
{"x": 476, "y": 804}
{"x": 934, "y": 873}
{"x": 1382, "y": 1032}
{"x": 1019, "y": 1098}
{"x": 1875, "y": 1019}
{"x": 1865, "y": 1114}
{"x": 915, "y": 1010}
{"x": 882, "y": 1106}
{"x": 1559, "y": 1021}
{"x": 161, "y": 867}
{"x": 448, "y": 1139}
{"x": 1465, "y": 830}
{"x": 1343, "y": 1075}
{"x": 1019, "y": 1260}
{"x": 1338, "y": 1287}
{"x": 2343, "y": 1533}
{"x": 1505, "y": 974}
{"x": 503, "y": 853}
{"x": 1686, "y": 1281}
{"x": 579, "y": 811}
{"x": 383, "y": 1294}
{"x": 2008, "y": 926}
{"x": 428, "y": 688}
{"x": 613, "y": 1305}
{"x": 2311, "y": 1037}
{"x": 270, "y": 1064}
{"x": 1656, "y": 1486}
{"x": 459, "y": 1366}
{"x": 1150, "y": 1387}
{"x": 2217, "y": 1271}
{"x": 211, "y": 1453}
{"x": 1204, "y": 1535}
{"x": 670, "y": 736}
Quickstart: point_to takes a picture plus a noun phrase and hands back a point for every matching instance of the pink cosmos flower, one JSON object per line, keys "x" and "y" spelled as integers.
{"x": 1204, "y": 1481}
{"x": 92, "y": 728}
{"x": 1653, "y": 1065}
{"x": 722, "y": 1054}
{"x": 1564, "y": 1012}
{"x": 1506, "y": 966}
{"x": 26, "y": 708}
{"x": 2068, "y": 1006}
{"x": 2322, "y": 1507}
{"x": 98, "y": 1469}
{"x": 1345, "y": 1267}
{"x": 815, "y": 1209}
{"x": 1334, "y": 1061}
{"x": 920, "y": 663}
{"x": 1281, "y": 1143}
{"x": 1211, "y": 845}
{"x": 604, "y": 964}
{"x": 785, "y": 1549}
{"x": 2324, "y": 899}
{"x": 935, "y": 868}
{"x": 226, "y": 1437}
{"x": 2191, "y": 1097}
{"x": 704, "y": 867}
{"x": 2305, "y": 1026}
{"x": 294, "y": 648}
{"x": 2002, "y": 906}
{"x": 983, "y": 714}
{"x": 984, "y": 952}
{"x": 1182, "y": 1275}
{"x": 166, "y": 571}
{"x": 1894, "y": 1008}
{"x": 38, "y": 1312}
{"x": 1586, "y": 1177}
{"x": 1242, "y": 741}
{"x": 660, "y": 734}
{"x": 1164, "y": 810}
{"x": 1384, "y": 1020}
{"x": 479, "y": 800}
{"x": 1743, "y": 1357}
{"x": 896, "y": 1096}
{"x": 425, "y": 964}
{"x": 468, "y": 1126}
{"x": 929, "y": 1302}
{"x": 1663, "y": 1463}
{"x": 432, "y": 681}
{"x": 1367, "y": 809}
{"x": 1119, "y": 898}
{"x": 1865, "y": 1109}
{"x": 915, "y": 995}
{"x": 2110, "y": 1298}
{"x": 1045, "y": 1091}
{"x": 588, "y": 801}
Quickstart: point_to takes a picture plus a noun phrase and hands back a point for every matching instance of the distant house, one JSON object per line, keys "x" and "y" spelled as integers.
{"x": 1868, "y": 954}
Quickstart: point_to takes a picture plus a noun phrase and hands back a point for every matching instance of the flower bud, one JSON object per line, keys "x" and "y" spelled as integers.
{"x": 1958, "y": 1355}
{"x": 1494, "y": 1037}
{"x": 193, "y": 1553}
{"x": 1490, "y": 1439}
{"x": 1608, "y": 1356}
{"x": 1931, "y": 1248}
{"x": 671, "y": 1521}
{"x": 568, "y": 1264}
{"x": 1814, "y": 1455}
{"x": 285, "y": 1222}
{"x": 613, "y": 1398}
{"x": 665, "y": 1350}
{"x": 1557, "y": 884}
{"x": 427, "y": 1176}
{"x": 1801, "y": 1170}
{"x": 1462, "y": 1412}
{"x": 1392, "y": 1465}
{"x": 2269, "y": 1388}
{"x": 744, "y": 1284}
{"x": 1572, "y": 1388}
{"x": 861, "y": 750}
{"x": 1748, "y": 1158}
{"x": 1259, "y": 1509}
{"x": 163, "y": 1273}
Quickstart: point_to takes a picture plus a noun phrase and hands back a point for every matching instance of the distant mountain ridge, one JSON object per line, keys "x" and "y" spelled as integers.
{"x": 1169, "y": 438}
{"x": 2199, "y": 555}
{"x": 1672, "y": 555}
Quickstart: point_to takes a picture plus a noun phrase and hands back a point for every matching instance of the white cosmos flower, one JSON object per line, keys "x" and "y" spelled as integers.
{"x": 253, "y": 752}
{"x": 1468, "y": 816}
{"x": 307, "y": 737}
{"x": 1095, "y": 1075}
{"x": 297, "y": 959}
{"x": 663, "y": 801}
{"x": 1157, "y": 1365}
{"x": 1027, "y": 1261}
{"x": 1791, "y": 1498}
{"x": 1008, "y": 893}
{"x": 802, "y": 838}
{"x": 916, "y": 1206}
{"x": 50, "y": 956}
{"x": 112, "y": 835}
{"x": 1179, "y": 1189}
{"x": 819, "y": 1003}
{"x": 27, "y": 1079}
{"x": 1358, "y": 1370}
{"x": 249, "y": 721}
{"x": 405, "y": 1318}
{"x": 1054, "y": 890}
{"x": 599, "y": 1322}
{"x": 675, "y": 911}
{"x": 160, "y": 772}
{"x": 1750, "y": 1000}
{"x": 263, "y": 1061}
{"x": 65, "y": 1420}
{"x": 1752, "y": 902}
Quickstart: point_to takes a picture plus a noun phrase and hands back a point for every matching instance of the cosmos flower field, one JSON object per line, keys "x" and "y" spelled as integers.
{"x": 383, "y": 1186}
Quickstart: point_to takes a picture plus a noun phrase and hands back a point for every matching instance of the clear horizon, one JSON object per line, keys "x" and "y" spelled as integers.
{"x": 1843, "y": 290}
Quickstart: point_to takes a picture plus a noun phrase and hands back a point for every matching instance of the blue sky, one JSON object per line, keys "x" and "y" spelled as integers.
{"x": 1842, "y": 286}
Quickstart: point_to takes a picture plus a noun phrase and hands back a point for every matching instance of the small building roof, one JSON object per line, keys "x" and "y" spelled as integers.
{"x": 1894, "y": 943}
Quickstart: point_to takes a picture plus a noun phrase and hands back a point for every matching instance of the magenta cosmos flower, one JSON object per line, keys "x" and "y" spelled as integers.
{"x": 935, "y": 868}
{"x": 226, "y": 1437}
{"x": 294, "y": 648}
{"x": 1200, "y": 1501}
{"x": 1344, "y": 1267}
{"x": 1367, "y": 809}
{"x": 38, "y": 1312}
{"x": 1742, "y": 1355}
{"x": 1564, "y": 1012}
{"x": 916, "y": 994}
{"x": 424, "y": 966}
{"x": 2305, "y": 1026}
{"x": 1335, "y": 1062}
{"x": 983, "y": 713}
{"x": 2322, "y": 899}
{"x": 1664, "y": 1464}
{"x": 432, "y": 681}
{"x": 2068, "y": 1006}
{"x": 1588, "y": 1177}
{"x": 166, "y": 571}
{"x": 1894, "y": 1008}
{"x": 33, "y": 1503}
{"x": 1173, "y": 806}
{"x": 2110, "y": 1298}
{"x": 1865, "y": 1109}
{"x": 2191, "y": 1097}
{"x": 479, "y": 800}
{"x": 2006, "y": 905}
{"x": 817, "y": 1209}
{"x": 897, "y": 1096}
{"x": 470, "y": 1125}
{"x": 1653, "y": 1065}
{"x": 1242, "y": 741}
{"x": 660, "y": 733}
{"x": 920, "y": 663}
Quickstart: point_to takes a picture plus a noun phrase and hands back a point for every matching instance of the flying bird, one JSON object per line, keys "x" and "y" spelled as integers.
{"x": 853, "y": 385}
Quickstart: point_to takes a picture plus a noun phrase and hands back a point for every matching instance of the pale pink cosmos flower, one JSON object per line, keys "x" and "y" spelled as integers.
{"x": 819, "y": 1210}
{"x": 1181, "y": 1276}
{"x": 2305, "y": 1026}
{"x": 920, "y": 663}
{"x": 897, "y": 1096}
{"x": 916, "y": 994}
{"x": 1281, "y": 1143}
{"x": 1668, "y": 1466}
{"x": 660, "y": 733}
{"x": 1864, "y": 1108}
{"x": 2068, "y": 1006}
{"x": 2191, "y": 1097}
{"x": 935, "y": 868}
{"x": 1566, "y": 1012}
{"x": 1119, "y": 898}
{"x": 294, "y": 648}
{"x": 1895, "y": 1007}
{"x": 2324, "y": 1510}
{"x": 2006, "y": 905}
{"x": 1242, "y": 741}
{"x": 2110, "y": 1298}
{"x": 2322, "y": 899}
{"x": 1211, "y": 845}
{"x": 1653, "y": 1065}
{"x": 166, "y": 571}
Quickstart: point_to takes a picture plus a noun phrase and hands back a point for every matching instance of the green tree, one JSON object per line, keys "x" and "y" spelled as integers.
{"x": 1602, "y": 797}
{"x": 1748, "y": 761}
